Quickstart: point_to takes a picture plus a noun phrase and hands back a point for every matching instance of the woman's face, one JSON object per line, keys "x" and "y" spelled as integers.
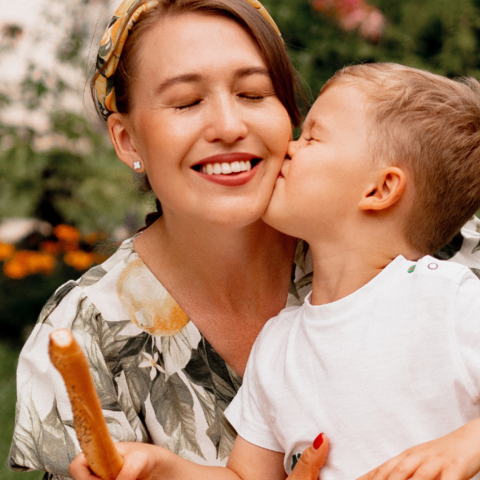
{"x": 205, "y": 112}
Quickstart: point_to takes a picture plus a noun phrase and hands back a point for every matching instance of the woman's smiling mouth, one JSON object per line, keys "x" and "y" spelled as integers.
{"x": 230, "y": 169}
{"x": 226, "y": 168}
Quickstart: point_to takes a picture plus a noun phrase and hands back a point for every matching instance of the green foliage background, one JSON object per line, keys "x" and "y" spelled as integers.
{"x": 441, "y": 36}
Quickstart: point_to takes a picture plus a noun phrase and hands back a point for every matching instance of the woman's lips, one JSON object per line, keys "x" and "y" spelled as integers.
{"x": 231, "y": 169}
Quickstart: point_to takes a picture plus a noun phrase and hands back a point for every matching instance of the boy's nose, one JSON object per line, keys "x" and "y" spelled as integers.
{"x": 292, "y": 147}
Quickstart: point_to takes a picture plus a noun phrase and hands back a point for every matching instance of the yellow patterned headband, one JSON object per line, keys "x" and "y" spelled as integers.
{"x": 114, "y": 39}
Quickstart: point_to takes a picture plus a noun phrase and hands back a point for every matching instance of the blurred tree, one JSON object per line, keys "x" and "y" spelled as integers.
{"x": 56, "y": 160}
{"x": 441, "y": 36}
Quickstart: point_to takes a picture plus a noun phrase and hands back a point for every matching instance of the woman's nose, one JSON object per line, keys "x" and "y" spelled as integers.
{"x": 226, "y": 123}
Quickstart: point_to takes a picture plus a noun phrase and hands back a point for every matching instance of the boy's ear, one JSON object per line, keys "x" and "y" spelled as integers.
{"x": 385, "y": 191}
{"x": 123, "y": 142}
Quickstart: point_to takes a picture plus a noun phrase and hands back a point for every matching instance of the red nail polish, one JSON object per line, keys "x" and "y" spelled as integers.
{"x": 318, "y": 442}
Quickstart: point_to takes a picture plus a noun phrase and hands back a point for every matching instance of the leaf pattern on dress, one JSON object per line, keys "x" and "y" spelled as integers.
{"x": 220, "y": 431}
{"x": 173, "y": 404}
{"x": 176, "y": 351}
{"x": 138, "y": 382}
{"x": 54, "y": 300}
{"x": 477, "y": 248}
{"x": 220, "y": 384}
{"x": 451, "y": 248}
{"x": 476, "y": 271}
{"x": 92, "y": 276}
{"x": 43, "y": 444}
{"x": 92, "y": 332}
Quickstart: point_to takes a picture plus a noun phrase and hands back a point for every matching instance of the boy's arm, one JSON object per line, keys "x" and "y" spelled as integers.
{"x": 150, "y": 462}
{"x": 455, "y": 456}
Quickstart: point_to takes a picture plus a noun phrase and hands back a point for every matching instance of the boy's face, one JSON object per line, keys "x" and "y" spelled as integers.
{"x": 319, "y": 189}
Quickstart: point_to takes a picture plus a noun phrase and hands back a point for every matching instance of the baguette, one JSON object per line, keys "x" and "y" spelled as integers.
{"x": 90, "y": 426}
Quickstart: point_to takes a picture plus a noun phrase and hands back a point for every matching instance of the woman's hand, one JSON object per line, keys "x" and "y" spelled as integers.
{"x": 455, "y": 456}
{"x": 311, "y": 460}
{"x": 139, "y": 462}
{"x": 142, "y": 461}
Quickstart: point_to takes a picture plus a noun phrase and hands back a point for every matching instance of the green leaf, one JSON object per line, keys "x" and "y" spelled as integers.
{"x": 173, "y": 405}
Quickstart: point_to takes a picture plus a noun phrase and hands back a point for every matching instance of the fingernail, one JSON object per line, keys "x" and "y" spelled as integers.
{"x": 318, "y": 442}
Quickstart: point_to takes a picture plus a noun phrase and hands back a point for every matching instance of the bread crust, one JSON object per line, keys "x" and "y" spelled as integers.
{"x": 90, "y": 426}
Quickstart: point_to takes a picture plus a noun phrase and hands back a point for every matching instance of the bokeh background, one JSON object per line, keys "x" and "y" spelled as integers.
{"x": 66, "y": 201}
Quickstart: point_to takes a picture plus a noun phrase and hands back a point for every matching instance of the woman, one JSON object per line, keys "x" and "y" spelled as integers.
{"x": 202, "y": 88}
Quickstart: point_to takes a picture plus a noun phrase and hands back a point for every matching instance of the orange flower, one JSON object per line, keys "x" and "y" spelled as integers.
{"x": 39, "y": 262}
{"x": 67, "y": 233}
{"x": 69, "y": 246}
{"x": 6, "y": 251}
{"x": 50, "y": 246}
{"x": 25, "y": 263}
{"x": 79, "y": 259}
{"x": 15, "y": 269}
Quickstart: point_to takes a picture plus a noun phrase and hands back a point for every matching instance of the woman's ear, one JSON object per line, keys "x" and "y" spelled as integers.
{"x": 385, "y": 191}
{"x": 123, "y": 142}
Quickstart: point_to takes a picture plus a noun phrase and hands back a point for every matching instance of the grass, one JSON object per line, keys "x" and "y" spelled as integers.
{"x": 8, "y": 365}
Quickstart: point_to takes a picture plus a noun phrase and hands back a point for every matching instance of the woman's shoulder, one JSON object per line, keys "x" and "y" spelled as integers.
{"x": 464, "y": 248}
{"x": 122, "y": 288}
{"x": 80, "y": 290}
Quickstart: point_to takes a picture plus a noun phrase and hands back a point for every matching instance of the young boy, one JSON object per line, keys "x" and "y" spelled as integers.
{"x": 385, "y": 352}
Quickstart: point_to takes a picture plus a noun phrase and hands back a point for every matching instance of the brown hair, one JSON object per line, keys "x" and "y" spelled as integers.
{"x": 284, "y": 78}
{"x": 430, "y": 125}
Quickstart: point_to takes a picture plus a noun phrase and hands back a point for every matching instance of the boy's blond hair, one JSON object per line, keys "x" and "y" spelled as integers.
{"x": 429, "y": 125}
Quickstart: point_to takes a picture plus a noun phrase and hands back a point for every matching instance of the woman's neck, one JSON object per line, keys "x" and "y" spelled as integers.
{"x": 229, "y": 281}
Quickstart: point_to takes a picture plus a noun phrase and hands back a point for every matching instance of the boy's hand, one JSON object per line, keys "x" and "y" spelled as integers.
{"x": 455, "y": 456}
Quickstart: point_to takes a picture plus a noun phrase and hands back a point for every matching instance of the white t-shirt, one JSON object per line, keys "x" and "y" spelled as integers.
{"x": 393, "y": 365}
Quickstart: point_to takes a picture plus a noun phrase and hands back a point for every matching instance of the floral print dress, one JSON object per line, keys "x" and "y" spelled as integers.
{"x": 158, "y": 378}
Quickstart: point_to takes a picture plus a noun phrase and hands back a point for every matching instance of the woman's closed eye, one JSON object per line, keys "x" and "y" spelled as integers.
{"x": 186, "y": 105}
{"x": 255, "y": 96}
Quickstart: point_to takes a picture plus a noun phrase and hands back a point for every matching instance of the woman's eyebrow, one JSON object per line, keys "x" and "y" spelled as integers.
{"x": 186, "y": 78}
{"x": 244, "y": 72}
{"x": 195, "y": 77}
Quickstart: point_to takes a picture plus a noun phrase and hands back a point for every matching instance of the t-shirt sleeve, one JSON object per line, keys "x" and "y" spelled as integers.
{"x": 467, "y": 331}
{"x": 246, "y": 411}
{"x": 44, "y": 437}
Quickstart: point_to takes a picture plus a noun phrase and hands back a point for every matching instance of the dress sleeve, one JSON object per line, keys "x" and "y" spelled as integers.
{"x": 246, "y": 412}
{"x": 466, "y": 327}
{"x": 465, "y": 247}
{"x": 44, "y": 437}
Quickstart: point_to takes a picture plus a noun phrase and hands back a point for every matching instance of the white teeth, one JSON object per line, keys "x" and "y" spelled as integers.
{"x": 226, "y": 168}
